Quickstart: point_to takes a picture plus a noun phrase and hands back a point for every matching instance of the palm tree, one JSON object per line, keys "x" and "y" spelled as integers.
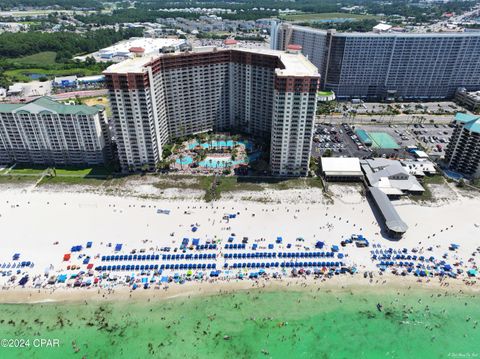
{"x": 181, "y": 157}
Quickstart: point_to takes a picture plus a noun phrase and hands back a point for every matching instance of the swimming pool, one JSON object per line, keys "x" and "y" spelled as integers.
{"x": 186, "y": 160}
{"x": 452, "y": 174}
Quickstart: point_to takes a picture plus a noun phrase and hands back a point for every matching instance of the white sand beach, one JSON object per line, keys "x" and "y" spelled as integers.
{"x": 43, "y": 225}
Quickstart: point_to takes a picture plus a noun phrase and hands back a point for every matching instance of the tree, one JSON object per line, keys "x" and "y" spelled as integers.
{"x": 90, "y": 60}
{"x": 327, "y": 153}
{"x": 181, "y": 157}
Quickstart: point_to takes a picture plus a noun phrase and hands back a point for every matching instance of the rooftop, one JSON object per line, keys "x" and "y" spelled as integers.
{"x": 149, "y": 45}
{"x": 392, "y": 220}
{"x": 42, "y": 104}
{"x": 341, "y": 166}
{"x": 137, "y": 49}
{"x": 387, "y": 174}
{"x": 391, "y": 34}
{"x": 470, "y": 122}
{"x": 295, "y": 64}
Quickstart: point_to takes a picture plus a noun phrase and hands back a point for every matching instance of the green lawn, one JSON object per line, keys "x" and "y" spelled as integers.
{"x": 27, "y": 171}
{"x": 325, "y": 16}
{"x": 77, "y": 175}
{"x": 42, "y": 58}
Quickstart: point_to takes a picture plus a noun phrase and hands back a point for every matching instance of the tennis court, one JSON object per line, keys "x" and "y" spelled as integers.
{"x": 382, "y": 140}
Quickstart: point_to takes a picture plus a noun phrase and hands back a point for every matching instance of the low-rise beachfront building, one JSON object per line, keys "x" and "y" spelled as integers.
{"x": 390, "y": 177}
{"x": 463, "y": 150}
{"x": 267, "y": 94}
{"x": 341, "y": 168}
{"x": 44, "y": 131}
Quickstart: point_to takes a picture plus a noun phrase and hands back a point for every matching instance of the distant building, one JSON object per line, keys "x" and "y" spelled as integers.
{"x": 30, "y": 89}
{"x": 137, "y": 51}
{"x": 463, "y": 150}
{"x": 91, "y": 81}
{"x": 382, "y": 27}
{"x": 65, "y": 81}
{"x": 390, "y": 177}
{"x": 468, "y": 99}
{"x": 15, "y": 89}
{"x": 341, "y": 168}
{"x": 44, "y": 131}
{"x": 387, "y": 65}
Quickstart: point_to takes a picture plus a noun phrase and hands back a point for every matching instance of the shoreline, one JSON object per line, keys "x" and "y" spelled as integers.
{"x": 385, "y": 283}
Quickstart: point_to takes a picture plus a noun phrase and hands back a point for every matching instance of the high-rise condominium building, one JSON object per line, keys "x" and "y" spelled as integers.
{"x": 44, "y": 131}
{"x": 269, "y": 94}
{"x": 463, "y": 150}
{"x": 391, "y": 65}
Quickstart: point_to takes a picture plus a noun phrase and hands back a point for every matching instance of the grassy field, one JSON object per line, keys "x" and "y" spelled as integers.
{"x": 325, "y": 16}
{"x": 27, "y": 171}
{"x": 68, "y": 175}
{"x": 78, "y": 176}
{"x": 42, "y": 58}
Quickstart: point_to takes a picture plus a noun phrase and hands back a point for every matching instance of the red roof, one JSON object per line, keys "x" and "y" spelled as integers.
{"x": 230, "y": 42}
{"x": 136, "y": 49}
{"x": 294, "y": 47}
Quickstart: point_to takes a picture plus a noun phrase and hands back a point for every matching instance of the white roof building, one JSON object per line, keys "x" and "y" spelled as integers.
{"x": 341, "y": 167}
{"x": 15, "y": 89}
{"x": 382, "y": 27}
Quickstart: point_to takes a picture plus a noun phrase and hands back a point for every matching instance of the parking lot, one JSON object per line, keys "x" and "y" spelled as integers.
{"x": 341, "y": 139}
